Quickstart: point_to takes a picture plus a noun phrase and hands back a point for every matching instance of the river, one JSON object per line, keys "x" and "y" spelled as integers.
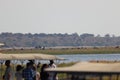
{"x": 81, "y": 57}
{"x": 88, "y": 57}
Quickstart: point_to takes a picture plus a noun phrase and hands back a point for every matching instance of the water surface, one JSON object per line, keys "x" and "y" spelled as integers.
{"x": 88, "y": 57}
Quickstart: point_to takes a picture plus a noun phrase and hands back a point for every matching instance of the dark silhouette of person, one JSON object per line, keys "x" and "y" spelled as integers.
{"x": 18, "y": 73}
{"x": 44, "y": 75}
{"x": 27, "y": 73}
{"x": 9, "y": 74}
{"x": 52, "y": 75}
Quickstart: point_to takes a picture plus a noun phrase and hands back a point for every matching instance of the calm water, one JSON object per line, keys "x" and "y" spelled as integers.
{"x": 81, "y": 57}
{"x": 87, "y": 57}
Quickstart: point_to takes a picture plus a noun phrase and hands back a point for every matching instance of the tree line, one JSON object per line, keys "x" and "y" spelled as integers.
{"x": 48, "y": 40}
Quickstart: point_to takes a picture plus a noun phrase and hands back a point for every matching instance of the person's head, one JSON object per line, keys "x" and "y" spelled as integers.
{"x": 7, "y": 62}
{"x": 32, "y": 61}
{"x": 19, "y": 68}
{"x": 51, "y": 61}
{"x": 29, "y": 65}
{"x": 44, "y": 66}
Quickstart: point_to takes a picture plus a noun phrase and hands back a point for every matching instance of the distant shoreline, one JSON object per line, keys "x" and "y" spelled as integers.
{"x": 85, "y": 50}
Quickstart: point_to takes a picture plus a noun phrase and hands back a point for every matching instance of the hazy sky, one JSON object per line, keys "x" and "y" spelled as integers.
{"x": 60, "y": 16}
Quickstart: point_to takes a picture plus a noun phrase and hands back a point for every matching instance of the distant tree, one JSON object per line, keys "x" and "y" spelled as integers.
{"x": 42, "y": 39}
{"x": 107, "y": 36}
{"x": 86, "y": 35}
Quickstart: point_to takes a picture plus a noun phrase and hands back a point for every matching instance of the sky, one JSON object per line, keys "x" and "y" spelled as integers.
{"x": 60, "y": 16}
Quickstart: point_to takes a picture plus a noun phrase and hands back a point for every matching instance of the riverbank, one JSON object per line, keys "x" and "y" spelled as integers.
{"x": 95, "y": 50}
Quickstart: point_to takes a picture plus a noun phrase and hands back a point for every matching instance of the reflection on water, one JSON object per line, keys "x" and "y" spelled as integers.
{"x": 87, "y": 57}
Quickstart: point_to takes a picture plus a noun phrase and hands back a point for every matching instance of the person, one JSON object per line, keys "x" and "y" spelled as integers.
{"x": 18, "y": 73}
{"x": 44, "y": 75}
{"x": 8, "y": 75}
{"x": 36, "y": 74}
{"x": 52, "y": 76}
{"x": 34, "y": 69}
{"x": 52, "y": 64}
{"x": 27, "y": 73}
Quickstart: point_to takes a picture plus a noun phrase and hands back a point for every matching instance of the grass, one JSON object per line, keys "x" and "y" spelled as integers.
{"x": 102, "y": 50}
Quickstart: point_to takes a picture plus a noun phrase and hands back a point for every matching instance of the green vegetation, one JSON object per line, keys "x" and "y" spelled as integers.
{"x": 51, "y": 40}
{"x": 102, "y": 50}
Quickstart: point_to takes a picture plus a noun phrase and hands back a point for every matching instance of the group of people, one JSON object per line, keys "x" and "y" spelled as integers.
{"x": 29, "y": 72}
{"x": 48, "y": 76}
